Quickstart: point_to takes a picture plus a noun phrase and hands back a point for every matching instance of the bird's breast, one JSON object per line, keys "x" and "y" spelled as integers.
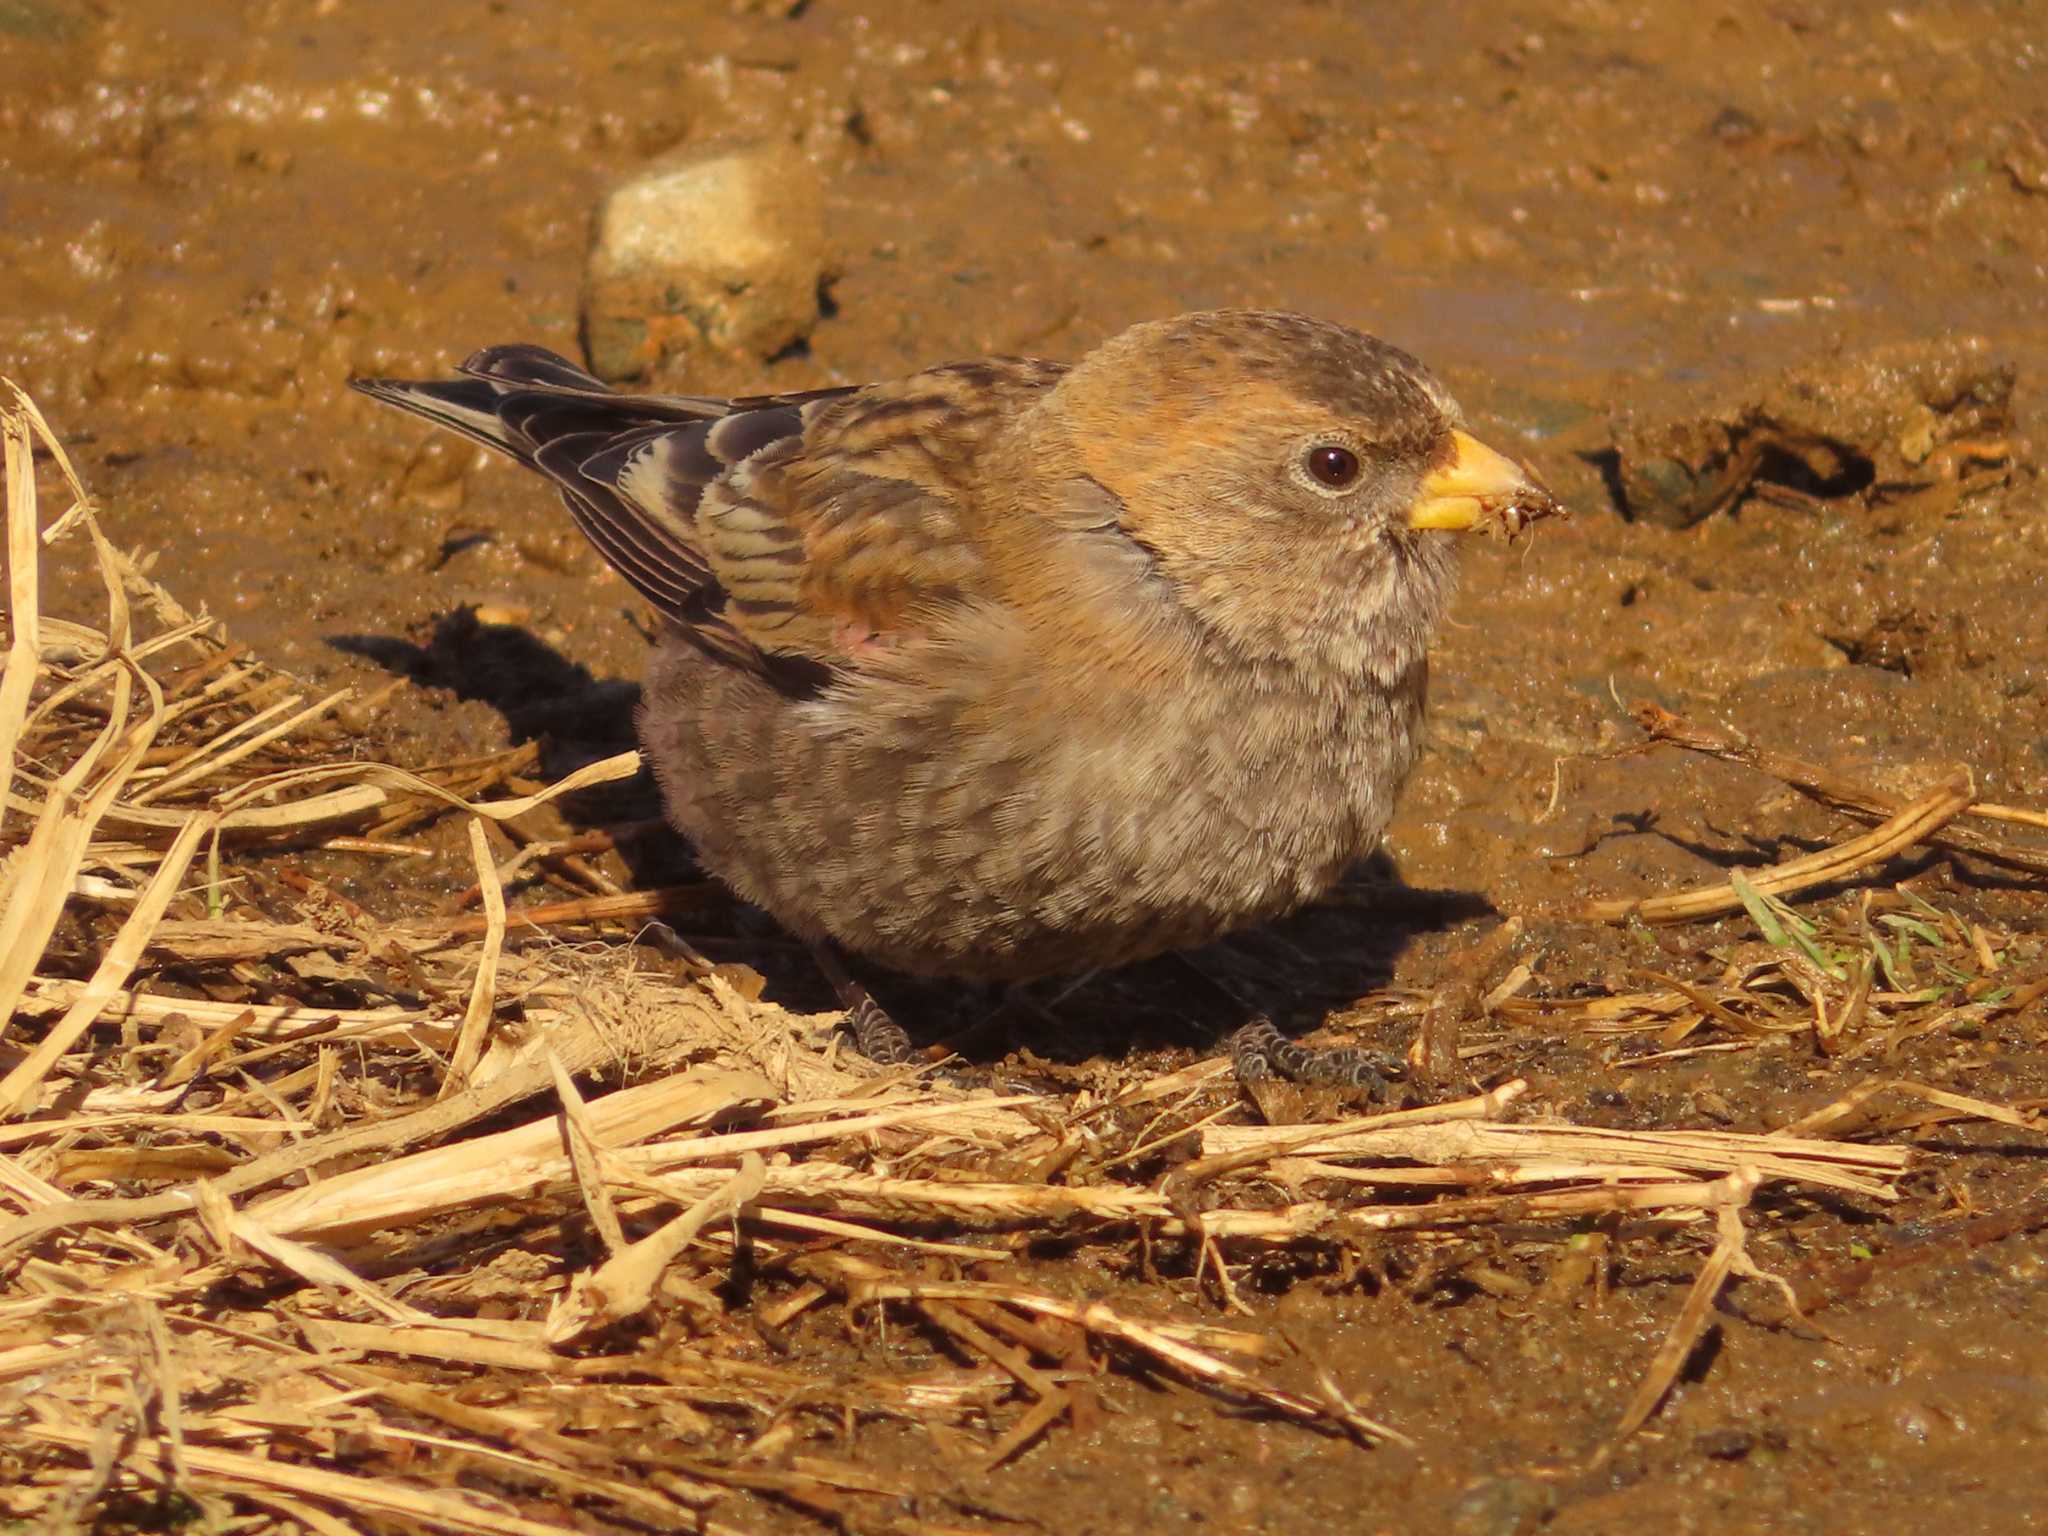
{"x": 985, "y": 812}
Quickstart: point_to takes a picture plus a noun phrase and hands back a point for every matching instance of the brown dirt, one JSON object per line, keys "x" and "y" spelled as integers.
{"x": 1761, "y": 288}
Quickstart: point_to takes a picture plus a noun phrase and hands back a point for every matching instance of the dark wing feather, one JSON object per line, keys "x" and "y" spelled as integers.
{"x": 778, "y": 530}
{"x": 521, "y": 363}
{"x": 630, "y": 467}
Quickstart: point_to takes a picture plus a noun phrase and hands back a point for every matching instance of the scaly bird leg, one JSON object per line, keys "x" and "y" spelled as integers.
{"x": 875, "y": 1035}
{"x": 1259, "y": 1051}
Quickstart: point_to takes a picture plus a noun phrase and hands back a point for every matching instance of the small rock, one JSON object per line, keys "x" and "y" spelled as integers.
{"x": 1732, "y": 125}
{"x": 1907, "y": 640}
{"x": 714, "y": 249}
{"x": 1502, "y": 1506}
{"x": 1725, "y": 1444}
{"x": 2026, "y": 157}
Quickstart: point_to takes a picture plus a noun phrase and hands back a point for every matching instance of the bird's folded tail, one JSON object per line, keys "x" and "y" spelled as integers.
{"x": 631, "y": 468}
{"x": 517, "y": 398}
{"x": 468, "y": 406}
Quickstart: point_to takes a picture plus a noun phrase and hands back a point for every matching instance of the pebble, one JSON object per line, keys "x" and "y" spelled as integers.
{"x": 1502, "y": 1506}
{"x": 713, "y": 249}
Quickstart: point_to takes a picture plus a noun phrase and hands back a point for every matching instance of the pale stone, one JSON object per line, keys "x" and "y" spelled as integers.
{"x": 716, "y": 249}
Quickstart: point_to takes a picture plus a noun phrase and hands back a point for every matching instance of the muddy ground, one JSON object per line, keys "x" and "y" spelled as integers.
{"x": 1761, "y": 288}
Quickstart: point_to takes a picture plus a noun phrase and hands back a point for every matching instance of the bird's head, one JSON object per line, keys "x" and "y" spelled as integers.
{"x": 1296, "y": 483}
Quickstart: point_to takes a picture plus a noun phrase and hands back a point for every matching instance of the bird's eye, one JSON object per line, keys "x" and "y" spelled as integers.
{"x": 1332, "y": 465}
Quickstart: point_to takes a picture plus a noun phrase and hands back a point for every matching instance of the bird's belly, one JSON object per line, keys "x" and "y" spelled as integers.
{"x": 938, "y": 842}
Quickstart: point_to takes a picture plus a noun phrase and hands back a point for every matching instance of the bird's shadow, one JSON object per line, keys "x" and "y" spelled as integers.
{"x": 541, "y": 694}
{"x": 571, "y": 715}
{"x": 1294, "y": 971}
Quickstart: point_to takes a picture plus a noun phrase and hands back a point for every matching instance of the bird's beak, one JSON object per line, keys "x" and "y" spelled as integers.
{"x": 1478, "y": 487}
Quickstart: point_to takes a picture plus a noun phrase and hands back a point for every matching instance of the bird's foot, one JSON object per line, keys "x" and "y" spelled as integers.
{"x": 1259, "y": 1052}
{"x": 875, "y": 1035}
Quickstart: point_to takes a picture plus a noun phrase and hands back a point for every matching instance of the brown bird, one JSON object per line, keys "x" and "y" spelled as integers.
{"x": 1011, "y": 668}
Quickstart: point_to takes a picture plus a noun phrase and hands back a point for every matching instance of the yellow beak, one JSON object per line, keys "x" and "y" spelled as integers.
{"x": 1479, "y": 486}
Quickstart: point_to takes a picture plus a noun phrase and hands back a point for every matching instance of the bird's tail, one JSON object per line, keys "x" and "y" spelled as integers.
{"x": 468, "y": 406}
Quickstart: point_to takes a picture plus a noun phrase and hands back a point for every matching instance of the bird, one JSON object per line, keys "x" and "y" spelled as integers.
{"x": 1011, "y": 668}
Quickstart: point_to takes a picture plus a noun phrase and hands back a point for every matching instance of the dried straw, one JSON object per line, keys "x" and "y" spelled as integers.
{"x": 519, "y": 1217}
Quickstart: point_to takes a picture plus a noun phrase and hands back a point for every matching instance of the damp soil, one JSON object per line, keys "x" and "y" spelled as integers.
{"x": 1760, "y": 288}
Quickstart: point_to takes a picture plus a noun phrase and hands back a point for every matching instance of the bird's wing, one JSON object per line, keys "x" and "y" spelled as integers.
{"x": 796, "y": 528}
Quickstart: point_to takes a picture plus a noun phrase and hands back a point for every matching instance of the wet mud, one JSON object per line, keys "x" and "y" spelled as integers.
{"x": 1761, "y": 289}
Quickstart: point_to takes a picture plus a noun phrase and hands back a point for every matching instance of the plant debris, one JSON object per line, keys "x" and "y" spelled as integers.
{"x": 455, "y": 1223}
